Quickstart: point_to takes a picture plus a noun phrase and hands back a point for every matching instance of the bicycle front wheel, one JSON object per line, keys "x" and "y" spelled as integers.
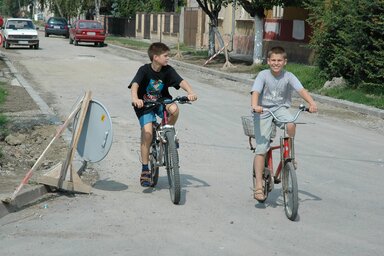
{"x": 153, "y": 155}
{"x": 290, "y": 191}
{"x": 172, "y": 166}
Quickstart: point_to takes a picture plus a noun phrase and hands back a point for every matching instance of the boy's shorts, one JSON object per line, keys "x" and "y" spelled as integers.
{"x": 263, "y": 128}
{"x": 150, "y": 116}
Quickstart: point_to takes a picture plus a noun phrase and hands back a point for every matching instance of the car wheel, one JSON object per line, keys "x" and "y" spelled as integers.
{"x": 3, "y": 42}
{"x": 76, "y": 42}
{"x": 7, "y": 45}
{"x": 31, "y": 46}
{"x": 36, "y": 46}
{"x": 101, "y": 44}
{"x": 96, "y": 43}
{"x": 46, "y": 35}
{"x": 70, "y": 41}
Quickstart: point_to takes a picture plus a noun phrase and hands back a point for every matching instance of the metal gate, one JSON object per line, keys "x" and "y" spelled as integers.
{"x": 121, "y": 26}
{"x": 147, "y": 26}
{"x": 190, "y": 26}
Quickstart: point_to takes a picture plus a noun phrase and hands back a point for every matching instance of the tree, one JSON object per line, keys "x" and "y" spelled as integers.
{"x": 212, "y": 9}
{"x": 348, "y": 41}
{"x": 97, "y": 9}
{"x": 256, "y": 9}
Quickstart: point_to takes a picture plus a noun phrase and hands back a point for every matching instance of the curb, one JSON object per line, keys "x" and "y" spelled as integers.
{"x": 23, "y": 199}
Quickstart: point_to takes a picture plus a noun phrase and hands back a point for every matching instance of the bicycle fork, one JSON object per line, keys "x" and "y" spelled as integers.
{"x": 160, "y": 143}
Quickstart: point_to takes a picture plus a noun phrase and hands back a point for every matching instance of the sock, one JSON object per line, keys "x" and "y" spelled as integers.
{"x": 145, "y": 167}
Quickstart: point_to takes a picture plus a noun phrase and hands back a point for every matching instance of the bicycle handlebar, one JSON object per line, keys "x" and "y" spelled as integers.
{"x": 302, "y": 108}
{"x": 180, "y": 99}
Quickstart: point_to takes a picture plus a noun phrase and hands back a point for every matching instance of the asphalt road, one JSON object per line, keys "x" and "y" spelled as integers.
{"x": 340, "y": 171}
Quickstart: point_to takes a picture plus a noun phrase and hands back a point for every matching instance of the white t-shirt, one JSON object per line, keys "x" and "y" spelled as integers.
{"x": 275, "y": 91}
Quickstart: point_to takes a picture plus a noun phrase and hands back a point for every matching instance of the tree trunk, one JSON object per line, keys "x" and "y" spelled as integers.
{"x": 59, "y": 9}
{"x": 97, "y": 9}
{"x": 211, "y": 43}
{"x": 258, "y": 43}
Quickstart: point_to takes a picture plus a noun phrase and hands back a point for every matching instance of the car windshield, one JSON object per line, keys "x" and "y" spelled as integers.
{"x": 90, "y": 25}
{"x": 20, "y": 24}
{"x": 57, "y": 21}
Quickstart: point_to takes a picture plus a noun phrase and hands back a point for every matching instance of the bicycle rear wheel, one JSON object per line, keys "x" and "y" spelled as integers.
{"x": 290, "y": 191}
{"x": 172, "y": 166}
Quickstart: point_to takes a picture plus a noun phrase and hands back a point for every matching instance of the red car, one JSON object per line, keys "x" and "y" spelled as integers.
{"x": 89, "y": 31}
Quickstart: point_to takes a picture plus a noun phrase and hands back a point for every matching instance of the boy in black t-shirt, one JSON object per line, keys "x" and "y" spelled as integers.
{"x": 151, "y": 82}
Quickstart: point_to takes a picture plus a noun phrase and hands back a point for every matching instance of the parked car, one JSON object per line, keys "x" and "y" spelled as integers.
{"x": 20, "y": 31}
{"x": 89, "y": 31}
{"x": 57, "y": 26}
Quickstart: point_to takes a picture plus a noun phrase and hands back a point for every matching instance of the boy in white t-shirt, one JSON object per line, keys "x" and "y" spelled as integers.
{"x": 273, "y": 88}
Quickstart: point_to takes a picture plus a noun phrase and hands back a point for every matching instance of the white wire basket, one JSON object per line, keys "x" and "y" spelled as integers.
{"x": 248, "y": 126}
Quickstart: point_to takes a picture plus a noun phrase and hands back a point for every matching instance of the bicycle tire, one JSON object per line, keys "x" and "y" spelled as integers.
{"x": 172, "y": 166}
{"x": 290, "y": 191}
{"x": 152, "y": 165}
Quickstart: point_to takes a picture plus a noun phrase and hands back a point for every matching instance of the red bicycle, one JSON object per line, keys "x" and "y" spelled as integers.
{"x": 285, "y": 171}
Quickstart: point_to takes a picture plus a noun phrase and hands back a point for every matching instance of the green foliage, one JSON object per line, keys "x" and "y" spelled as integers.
{"x": 356, "y": 95}
{"x": 348, "y": 41}
{"x": 124, "y": 8}
{"x": 3, "y": 93}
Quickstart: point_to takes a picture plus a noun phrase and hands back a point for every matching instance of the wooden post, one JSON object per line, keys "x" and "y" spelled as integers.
{"x": 57, "y": 175}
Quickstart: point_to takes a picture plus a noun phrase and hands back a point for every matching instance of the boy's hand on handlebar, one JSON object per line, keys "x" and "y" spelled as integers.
{"x": 138, "y": 103}
{"x": 257, "y": 109}
{"x": 312, "y": 108}
{"x": 192, "y": 96}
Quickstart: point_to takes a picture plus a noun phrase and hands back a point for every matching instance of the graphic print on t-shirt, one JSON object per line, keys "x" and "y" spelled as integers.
{"x": 154, "y": 89}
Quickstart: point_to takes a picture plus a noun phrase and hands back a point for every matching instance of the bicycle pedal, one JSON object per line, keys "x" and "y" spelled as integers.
{"x": 276, "y": 180}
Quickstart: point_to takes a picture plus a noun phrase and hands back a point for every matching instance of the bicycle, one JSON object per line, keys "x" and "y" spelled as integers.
{"x": 163, "y": 149}
{"x": 286, "y": 170}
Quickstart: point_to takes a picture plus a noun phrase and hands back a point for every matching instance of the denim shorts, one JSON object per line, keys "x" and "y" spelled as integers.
{"x": 263, "y": 128}
{"x": 151, "y": 116}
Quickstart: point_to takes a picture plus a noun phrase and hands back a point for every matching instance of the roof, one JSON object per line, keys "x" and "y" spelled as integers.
{"x": 19, "y": 19}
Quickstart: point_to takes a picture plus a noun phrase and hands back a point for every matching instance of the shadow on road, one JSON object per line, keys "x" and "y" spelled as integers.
{"x": 110, "y": 185}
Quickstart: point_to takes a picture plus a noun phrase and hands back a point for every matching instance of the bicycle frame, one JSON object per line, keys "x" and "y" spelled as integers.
{"x": 287, "y": 152}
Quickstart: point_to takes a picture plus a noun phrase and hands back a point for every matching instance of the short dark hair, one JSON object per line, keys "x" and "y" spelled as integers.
{"x": 277, "y": 50}
{"x": 157, "y": 48}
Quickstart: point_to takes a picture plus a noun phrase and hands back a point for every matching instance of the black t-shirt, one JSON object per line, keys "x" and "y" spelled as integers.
{"x": 154, "y": 85}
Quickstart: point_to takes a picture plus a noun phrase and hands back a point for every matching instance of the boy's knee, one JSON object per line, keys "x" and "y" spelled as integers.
{"x": 146, "y": 135}
{"x": 173, "y": 109}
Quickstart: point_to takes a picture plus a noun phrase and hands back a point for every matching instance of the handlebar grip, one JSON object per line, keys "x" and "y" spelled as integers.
{"x": 183, "y": 99}
{"x": 302, "y": 107}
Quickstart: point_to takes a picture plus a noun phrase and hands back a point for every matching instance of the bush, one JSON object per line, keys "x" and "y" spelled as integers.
{"x": 348, "y": 41}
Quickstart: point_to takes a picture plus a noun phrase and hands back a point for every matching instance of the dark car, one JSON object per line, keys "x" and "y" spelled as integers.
{"x": 89, "y": 31}
{"x": 57, "y": 26}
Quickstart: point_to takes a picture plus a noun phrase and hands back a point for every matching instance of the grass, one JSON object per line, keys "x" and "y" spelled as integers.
{"x": 356, "y": 95}
{"x": 127, "y": 42}
{"x": 310, "y": 76}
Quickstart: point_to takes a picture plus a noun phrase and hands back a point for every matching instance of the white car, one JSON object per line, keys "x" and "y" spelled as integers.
{"x": 20, "y": 31}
